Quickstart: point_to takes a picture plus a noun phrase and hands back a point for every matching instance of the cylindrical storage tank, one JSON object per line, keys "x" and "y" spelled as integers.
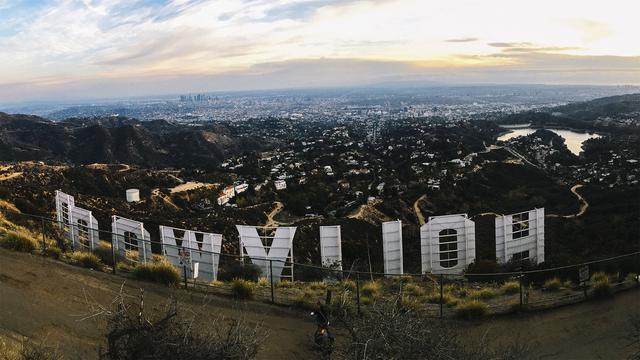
{"x": 133, "y": 195}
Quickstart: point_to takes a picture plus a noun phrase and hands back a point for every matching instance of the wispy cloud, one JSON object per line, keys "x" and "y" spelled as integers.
{"x": 462, "y": 40}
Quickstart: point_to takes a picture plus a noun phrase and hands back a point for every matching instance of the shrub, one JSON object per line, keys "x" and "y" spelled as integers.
{"x": 484, "y": 294}
{"x": 413, "y": 290}
{"x": 513, "y": 306}
{"x": 285, "y": 284}
{"x": 126, "y": 267}
{"x": 347, "y": 284}
{"x": 365, "y": 300}
{"x": 242, "y": 289}
{"x": 601, "y": 287}
{"x": 567, "y": 284}
{"x": 510, "y": 287}
{"x": 86, "y": 259}
{"x": 317, "y": 285}
{"x": 18, "y": 242}
{"x": 410, "y": 303}
{"x": 305, "y": 300}
{"x": 263, "y": 282}
{"x": 105, "y": 255}
{"x": 553, "y": 284}
{"x": 370, "y": 289}
{"x": 599, "y": 276}
{"x": 447, "y": 298}
{"x": 470, "y": 310}
{"x": 161, "y": 272}
{"x": 238, "y": 270}
{"x": 53, "y": 252}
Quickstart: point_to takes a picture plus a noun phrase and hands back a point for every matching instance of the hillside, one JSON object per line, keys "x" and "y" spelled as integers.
{"x": 612, "y": 114}
{"x": 116, "y": 140}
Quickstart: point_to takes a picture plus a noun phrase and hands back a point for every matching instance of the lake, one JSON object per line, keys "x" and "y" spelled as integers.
{"x": 572, "y": 139}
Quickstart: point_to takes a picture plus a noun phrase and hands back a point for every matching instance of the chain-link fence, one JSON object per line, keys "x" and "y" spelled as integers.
{"x": 436, "y": 295}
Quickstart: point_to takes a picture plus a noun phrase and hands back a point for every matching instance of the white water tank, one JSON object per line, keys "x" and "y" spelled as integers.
{"x": 133, "y": 195}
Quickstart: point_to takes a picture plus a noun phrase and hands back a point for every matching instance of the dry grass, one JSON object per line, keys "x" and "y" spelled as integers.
{"x": 471, "y": 310}
{"x": 553, "y": 284}
{"x": 161, "y": 272}
{"x": 17, "y": 240}
{"x": 510, "y": 287}
{"x": 86, "y": 259}
{"x": 243, "y": 289}
{"x": 371, "y": 289}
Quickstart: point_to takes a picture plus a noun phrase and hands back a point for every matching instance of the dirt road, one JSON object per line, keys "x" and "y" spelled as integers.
{"x": 43, "y": 298}
{"x": 585, "y": 331}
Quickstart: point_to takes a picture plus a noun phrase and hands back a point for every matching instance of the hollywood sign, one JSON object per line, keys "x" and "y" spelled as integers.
{"x": 447, "y": 242}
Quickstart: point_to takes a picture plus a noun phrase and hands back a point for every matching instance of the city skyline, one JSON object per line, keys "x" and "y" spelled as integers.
{"x": 56, "y": 50}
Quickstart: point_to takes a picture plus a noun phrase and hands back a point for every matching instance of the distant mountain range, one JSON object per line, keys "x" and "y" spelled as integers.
{"x": 115, "y": 140}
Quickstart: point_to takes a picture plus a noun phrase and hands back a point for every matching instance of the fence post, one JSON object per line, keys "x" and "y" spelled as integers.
{"x": 273, "y": 299}
{"x": 520, "y": 282}
{"x": 44, "y": 243}
{"x": 358, "y": 290}
{"x": 114, "y": 258}
{"x": 184, "y": 271}
{"x": 441, "y": 295}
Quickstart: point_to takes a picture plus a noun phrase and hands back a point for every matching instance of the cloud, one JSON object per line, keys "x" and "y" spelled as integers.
{"x": 69, "y": 42}
{"x": 462, "y": 40}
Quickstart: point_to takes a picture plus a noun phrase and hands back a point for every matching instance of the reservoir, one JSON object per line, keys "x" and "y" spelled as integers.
{"x": 572, "y": 139}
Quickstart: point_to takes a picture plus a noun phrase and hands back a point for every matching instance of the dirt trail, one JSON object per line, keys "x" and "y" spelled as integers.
{"x": 416, "y": 209}
{"x": 43, "y": 298}
{"x": 584, "y": 205}
{"x": 270, "y": 216}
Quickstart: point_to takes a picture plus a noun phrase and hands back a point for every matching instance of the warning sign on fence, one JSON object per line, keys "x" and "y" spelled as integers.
{"x": 185, "y": 256}
{"x": 583, "y": 273}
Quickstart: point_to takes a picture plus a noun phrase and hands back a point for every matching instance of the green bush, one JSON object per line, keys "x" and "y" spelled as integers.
{"x": 161, "y": 272}
{"x": 601, "y": 287}
{"x": 18, "y": 242}
{"x": 243, "y": 289}
{"x": 553, "y": 284}
{"x": 510, "y": 287}
{"x": 86, "y": 259}
{"x": 470, "y": 310}
{"x": 53, "y": 252}
{"x": 370, "y": 289}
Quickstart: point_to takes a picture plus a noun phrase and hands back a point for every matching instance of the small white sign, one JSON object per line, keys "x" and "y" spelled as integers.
{"x": 196, "y": 269}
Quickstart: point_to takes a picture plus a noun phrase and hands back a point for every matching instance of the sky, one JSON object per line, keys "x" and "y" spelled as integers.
{"x": 73, "y": 49}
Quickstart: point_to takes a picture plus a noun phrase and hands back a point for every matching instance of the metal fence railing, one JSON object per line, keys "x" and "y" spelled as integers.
{"x": 436, "y": 295}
